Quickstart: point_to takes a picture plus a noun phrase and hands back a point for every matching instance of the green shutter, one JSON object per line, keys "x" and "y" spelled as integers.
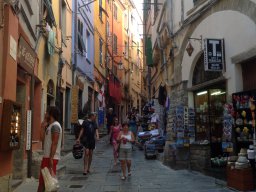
{"x": 149, "y": 59}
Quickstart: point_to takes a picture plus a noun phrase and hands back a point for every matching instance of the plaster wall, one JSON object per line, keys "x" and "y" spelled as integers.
{"x": 240, "y": 39}
{"x": 29, "y": 19}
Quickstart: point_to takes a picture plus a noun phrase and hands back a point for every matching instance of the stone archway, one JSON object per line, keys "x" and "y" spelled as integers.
{"x": 245, "y": 7}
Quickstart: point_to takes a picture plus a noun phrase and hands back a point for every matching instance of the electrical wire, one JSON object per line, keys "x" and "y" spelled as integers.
{"x": 69, "y": 6}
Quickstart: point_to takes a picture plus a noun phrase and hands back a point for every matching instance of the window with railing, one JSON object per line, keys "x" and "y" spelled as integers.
{"x": 100, "y": 9}
{"x": 156, "y": 9}
{"x": 101, "y": 51}
{"x": 115, "y": 12}
{"x": 126, "y": 49}
{"x": 115, "y": 44}
{"x": 107, "y": 29}
{"x": 81, "y": 45}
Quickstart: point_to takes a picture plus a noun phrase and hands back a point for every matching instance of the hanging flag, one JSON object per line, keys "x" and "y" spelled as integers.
{"x": 101, "y": 96}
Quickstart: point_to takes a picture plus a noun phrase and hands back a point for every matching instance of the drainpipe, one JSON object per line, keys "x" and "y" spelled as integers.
{"x": 32, "y": 93}
{"x": 74, "y": 66}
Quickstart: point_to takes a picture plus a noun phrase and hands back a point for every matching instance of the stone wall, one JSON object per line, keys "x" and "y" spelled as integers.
{"x": 5, "y": 183}
{"x": 178, "y": 96}
{"x": 200, "y": 157}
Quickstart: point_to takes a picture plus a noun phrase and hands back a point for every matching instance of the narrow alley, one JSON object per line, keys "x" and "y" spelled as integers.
{"x": 147, "y": 176}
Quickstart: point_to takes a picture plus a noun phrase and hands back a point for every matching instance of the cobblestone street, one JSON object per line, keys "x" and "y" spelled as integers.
{"x": 147, "y": 176}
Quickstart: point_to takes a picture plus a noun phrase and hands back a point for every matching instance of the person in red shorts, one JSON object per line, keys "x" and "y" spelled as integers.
{"x": 52, "y": 145}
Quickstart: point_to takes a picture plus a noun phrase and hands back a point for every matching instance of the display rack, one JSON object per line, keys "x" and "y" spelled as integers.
{"x": 244, "y": 129}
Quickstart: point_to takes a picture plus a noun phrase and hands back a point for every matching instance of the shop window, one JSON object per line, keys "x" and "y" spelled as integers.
{"x": 209, "y": 117}
{"x": 202, "y": 76}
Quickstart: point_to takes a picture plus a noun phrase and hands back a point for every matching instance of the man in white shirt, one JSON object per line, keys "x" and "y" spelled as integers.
{"x": 52, "y": 145}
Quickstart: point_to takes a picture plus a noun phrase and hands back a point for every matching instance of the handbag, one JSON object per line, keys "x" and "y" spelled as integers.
{"x": 51, "y": 182}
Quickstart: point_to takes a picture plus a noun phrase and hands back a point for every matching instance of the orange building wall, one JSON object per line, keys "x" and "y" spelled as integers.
{"x": 8, "y": 81}
{"x": 117, "y": 29}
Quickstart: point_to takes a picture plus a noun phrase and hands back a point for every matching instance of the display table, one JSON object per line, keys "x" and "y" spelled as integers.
{"x": 240, "y": 179}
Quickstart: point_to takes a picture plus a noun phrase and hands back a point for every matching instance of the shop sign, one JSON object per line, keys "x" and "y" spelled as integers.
{"x": 214, "y": 56}
{"x": 13, "y": 48}
{"x": 26, "y": 56}
{"x": 28, "y": 146}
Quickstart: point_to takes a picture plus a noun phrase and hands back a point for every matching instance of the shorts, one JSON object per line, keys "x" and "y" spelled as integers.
{"x": 125, "y": 154}
{"x": 89, "y": 144}
{"x": 45, "y": 163}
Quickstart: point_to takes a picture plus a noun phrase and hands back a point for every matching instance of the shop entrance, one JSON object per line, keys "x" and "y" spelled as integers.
{"x": 18, "y": 155}
{"x": 209, "y": 99}
{"x": 209, "y": 104}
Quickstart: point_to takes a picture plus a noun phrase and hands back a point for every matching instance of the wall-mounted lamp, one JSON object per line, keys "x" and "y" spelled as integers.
{"x": 190, "y": 48}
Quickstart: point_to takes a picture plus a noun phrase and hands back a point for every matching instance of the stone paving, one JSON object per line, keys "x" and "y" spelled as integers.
{"x": 147, "y": 176}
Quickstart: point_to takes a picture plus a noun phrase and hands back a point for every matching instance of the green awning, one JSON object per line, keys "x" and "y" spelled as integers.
{"x": 149, "y": 52}
{"x": 48, "y": 5}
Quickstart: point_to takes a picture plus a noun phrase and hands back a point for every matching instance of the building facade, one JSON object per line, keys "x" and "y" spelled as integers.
{"x": 183, "y": 34}
{"x": 38, "y": 55}
{"x": 83, "y": 56}
{"x": 20, "y": 89}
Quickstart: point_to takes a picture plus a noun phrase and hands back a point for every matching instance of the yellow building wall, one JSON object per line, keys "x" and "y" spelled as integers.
{"x": 48, "y": 65}
{"x": 99, "y": 32}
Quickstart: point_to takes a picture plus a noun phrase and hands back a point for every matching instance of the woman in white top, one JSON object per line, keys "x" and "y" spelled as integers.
{"x": 126, "y": 138}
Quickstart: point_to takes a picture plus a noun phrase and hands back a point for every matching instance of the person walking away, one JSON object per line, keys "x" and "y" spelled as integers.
{"x": 126, "y": 138}
{"x": 88, "y": 134}
{"x": 110, "y": 118}
{"x": 114, "y": 132}
{"x": 133, "y": 127}
{"x": 52, "y": 145}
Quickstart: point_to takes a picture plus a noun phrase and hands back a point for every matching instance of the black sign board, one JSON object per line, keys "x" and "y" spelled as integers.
{"x": 214, "y": 57}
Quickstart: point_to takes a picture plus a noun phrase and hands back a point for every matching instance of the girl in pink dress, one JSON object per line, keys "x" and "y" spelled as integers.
{"x": 114, "y": 132}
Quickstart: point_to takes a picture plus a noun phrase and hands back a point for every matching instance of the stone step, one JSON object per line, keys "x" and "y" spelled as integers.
{"x": 16, "y": 183}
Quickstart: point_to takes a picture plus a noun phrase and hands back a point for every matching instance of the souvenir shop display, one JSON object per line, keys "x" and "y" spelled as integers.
{"x": 184, "y": 126}
{"x": 244, "y": 113}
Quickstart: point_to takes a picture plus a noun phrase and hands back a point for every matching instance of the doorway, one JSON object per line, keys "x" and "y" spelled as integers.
{"x": 19, "y": 165}
{"x": 67, "y": 108}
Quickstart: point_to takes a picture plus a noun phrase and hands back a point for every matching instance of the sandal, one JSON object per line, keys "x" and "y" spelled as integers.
{"x": 129, "y": 173}
{"x": 84, "y": 173}
{"x": 123, "y": 177}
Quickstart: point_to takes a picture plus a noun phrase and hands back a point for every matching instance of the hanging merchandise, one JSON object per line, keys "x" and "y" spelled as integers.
{"x": 228, "y": 123}
{"x": 162, "y": 94}
{"x": 244, "y": 113}
{"x": 167, "y": 103}
{"x": 184, "y": 126}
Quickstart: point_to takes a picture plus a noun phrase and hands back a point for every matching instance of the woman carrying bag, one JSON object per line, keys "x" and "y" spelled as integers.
{"x": 125, "y": 138}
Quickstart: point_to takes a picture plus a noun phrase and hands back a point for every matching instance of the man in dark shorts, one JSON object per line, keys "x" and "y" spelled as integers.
{"x": 87, "y": 136}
